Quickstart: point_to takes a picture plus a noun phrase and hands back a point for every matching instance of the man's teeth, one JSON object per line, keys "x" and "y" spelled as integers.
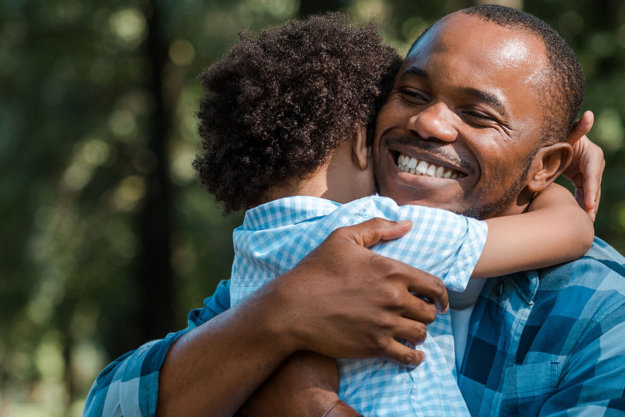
{"x": 416, "y": 167}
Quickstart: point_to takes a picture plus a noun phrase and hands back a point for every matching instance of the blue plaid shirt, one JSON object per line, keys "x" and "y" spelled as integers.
{"x": 550, "y": 342}
{"x": 573, "y": 313}
{"x": 275, "y": 236}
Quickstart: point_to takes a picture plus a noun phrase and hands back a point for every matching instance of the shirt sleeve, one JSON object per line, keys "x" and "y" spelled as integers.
{"x": 128, "y": 386}
{"x": 440, "y": 242}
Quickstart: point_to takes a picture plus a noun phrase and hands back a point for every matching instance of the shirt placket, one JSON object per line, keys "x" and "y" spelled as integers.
{"x": 515, "y": 299}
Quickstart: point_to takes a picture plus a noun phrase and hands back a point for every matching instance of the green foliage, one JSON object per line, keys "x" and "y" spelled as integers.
{"x": 77, "y": 121}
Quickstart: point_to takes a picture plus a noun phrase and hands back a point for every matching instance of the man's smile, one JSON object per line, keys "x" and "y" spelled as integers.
{"x": 427, "y": 158}
{"x": 416, "y": 166}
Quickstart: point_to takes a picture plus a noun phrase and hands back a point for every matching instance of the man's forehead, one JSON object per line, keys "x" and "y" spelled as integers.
{"x": 484, "y": 48}
{"x": 513, "y": 43}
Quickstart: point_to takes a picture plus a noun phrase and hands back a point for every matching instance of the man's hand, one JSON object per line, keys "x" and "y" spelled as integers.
{"x": 347, "y": 302}
{"x": 586, "y": 168}
{"x": 343, "y": 300}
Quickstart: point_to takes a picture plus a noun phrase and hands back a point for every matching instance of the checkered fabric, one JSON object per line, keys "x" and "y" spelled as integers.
{"x": 550, "y": 342}
{"x": 128, "y": 386}
{"x": 573, "y": 314}
{"x": 275, "y": 236}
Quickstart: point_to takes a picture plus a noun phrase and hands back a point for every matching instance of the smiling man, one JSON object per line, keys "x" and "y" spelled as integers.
{"x": 472, "y": 103}
{"x": 480, "y": 108}
{"x": 486, "y": 95}
{"x": 475, "y": 124}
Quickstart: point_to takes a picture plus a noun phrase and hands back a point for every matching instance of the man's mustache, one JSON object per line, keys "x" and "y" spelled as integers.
{"x": 432, "y": 147}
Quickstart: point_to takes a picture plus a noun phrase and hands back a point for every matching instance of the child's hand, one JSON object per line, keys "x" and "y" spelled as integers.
{"x": 306, "y": 384}
{"x": 587, "y": 166}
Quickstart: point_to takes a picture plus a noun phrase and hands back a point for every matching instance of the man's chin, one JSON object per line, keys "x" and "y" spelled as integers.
{"x": 452, "y": 202}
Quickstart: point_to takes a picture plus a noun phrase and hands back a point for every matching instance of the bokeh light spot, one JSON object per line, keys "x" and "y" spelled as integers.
{"x": 181, "y": 52}
{"x": 128, "y": 25}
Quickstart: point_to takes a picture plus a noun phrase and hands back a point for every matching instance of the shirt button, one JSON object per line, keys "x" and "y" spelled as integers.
{"x": 499, "y": 288}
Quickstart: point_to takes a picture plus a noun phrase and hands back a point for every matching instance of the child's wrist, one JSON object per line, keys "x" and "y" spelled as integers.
{"x": 339, "y": 408}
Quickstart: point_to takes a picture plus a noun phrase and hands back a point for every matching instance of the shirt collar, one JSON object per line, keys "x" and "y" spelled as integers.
{"x": 526, "y": 285}
{"x": 287, "y": 211}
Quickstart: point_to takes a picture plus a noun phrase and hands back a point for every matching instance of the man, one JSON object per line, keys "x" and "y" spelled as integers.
{"x": 470, "y": 97}
{"x": 476, "y": 94}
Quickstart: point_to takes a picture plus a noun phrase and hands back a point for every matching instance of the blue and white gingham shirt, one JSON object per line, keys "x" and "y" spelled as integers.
{"x": 565, "y": 323}
{"x": 275, "y": 236}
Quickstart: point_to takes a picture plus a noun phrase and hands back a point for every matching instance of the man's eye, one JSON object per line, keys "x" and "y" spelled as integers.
{"x": 413, "y": 95}
{"x": 478, "y": 117}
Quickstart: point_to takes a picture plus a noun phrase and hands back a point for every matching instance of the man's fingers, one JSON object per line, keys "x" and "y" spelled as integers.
{"x": 403, "y": 354}
{"x": 419, "y": 284}
{"x": 416, "y": 308}
{"x": 414, "y": 332}
{"x": 373, "y": 231}
{"x": 427, "y": 285}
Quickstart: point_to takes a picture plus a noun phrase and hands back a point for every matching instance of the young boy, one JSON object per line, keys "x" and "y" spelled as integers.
{"x": 284, "y": 127}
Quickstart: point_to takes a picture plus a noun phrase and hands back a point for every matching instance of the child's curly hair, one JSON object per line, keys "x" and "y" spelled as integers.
{"x": 278, "y": 104}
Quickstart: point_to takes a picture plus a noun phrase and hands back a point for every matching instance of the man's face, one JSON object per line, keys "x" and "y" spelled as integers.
{"x": 464, "y": 110}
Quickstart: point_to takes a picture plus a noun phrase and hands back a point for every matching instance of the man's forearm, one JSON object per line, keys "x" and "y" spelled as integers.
{"x": 213, "y": 369}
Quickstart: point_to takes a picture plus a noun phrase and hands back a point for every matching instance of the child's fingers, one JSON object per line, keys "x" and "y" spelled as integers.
{"x": 581, "y": 127}
{"x": 594, "y": 164}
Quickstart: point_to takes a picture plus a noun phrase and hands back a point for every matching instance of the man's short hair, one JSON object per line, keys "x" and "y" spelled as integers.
{"x": 278, "y": 104}
{"x": 564, "y": 89}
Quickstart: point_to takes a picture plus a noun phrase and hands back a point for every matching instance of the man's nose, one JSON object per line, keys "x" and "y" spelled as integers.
{"x": 436, "y": 122}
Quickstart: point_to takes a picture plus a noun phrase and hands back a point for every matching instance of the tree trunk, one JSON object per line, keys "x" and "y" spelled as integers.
{"x": 155, "y": 272}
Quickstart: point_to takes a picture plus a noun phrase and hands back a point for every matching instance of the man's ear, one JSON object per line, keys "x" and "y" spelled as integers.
{"x": 548, "y": 164}
{"x": 361, "y": 153}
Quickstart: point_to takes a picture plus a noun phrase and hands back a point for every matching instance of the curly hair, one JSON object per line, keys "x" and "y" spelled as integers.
{"x": 277, "y": 105}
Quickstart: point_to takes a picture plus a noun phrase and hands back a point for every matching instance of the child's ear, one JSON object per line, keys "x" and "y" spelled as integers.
{"x": 548, "y": 164}
{"x": 361, "y": 153}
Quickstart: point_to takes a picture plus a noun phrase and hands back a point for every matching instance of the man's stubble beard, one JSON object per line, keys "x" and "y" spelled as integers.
{"x": 495, "y": 208}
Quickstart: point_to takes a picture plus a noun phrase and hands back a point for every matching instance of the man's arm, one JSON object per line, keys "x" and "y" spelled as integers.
{"x": 342, "y": 300}
{"x": 116, "y": 389}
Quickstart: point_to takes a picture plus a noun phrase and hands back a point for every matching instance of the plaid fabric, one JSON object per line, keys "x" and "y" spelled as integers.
{"x": 573, "y": 313}
{"x": 275, "y": 236}
{"x": 129, "y": 385}
{"x": 550, "y": 342}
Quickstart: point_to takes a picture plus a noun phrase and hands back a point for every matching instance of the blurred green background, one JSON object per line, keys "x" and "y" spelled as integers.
{"x": 107, "y": 237}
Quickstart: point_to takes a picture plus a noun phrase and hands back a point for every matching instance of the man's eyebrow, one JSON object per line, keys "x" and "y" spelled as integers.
{"x": 419, "y": 72}
{"x": 491, "y": 99}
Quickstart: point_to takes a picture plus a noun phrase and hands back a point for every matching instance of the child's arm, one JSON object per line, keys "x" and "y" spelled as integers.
{"x": 553, "y": 231}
